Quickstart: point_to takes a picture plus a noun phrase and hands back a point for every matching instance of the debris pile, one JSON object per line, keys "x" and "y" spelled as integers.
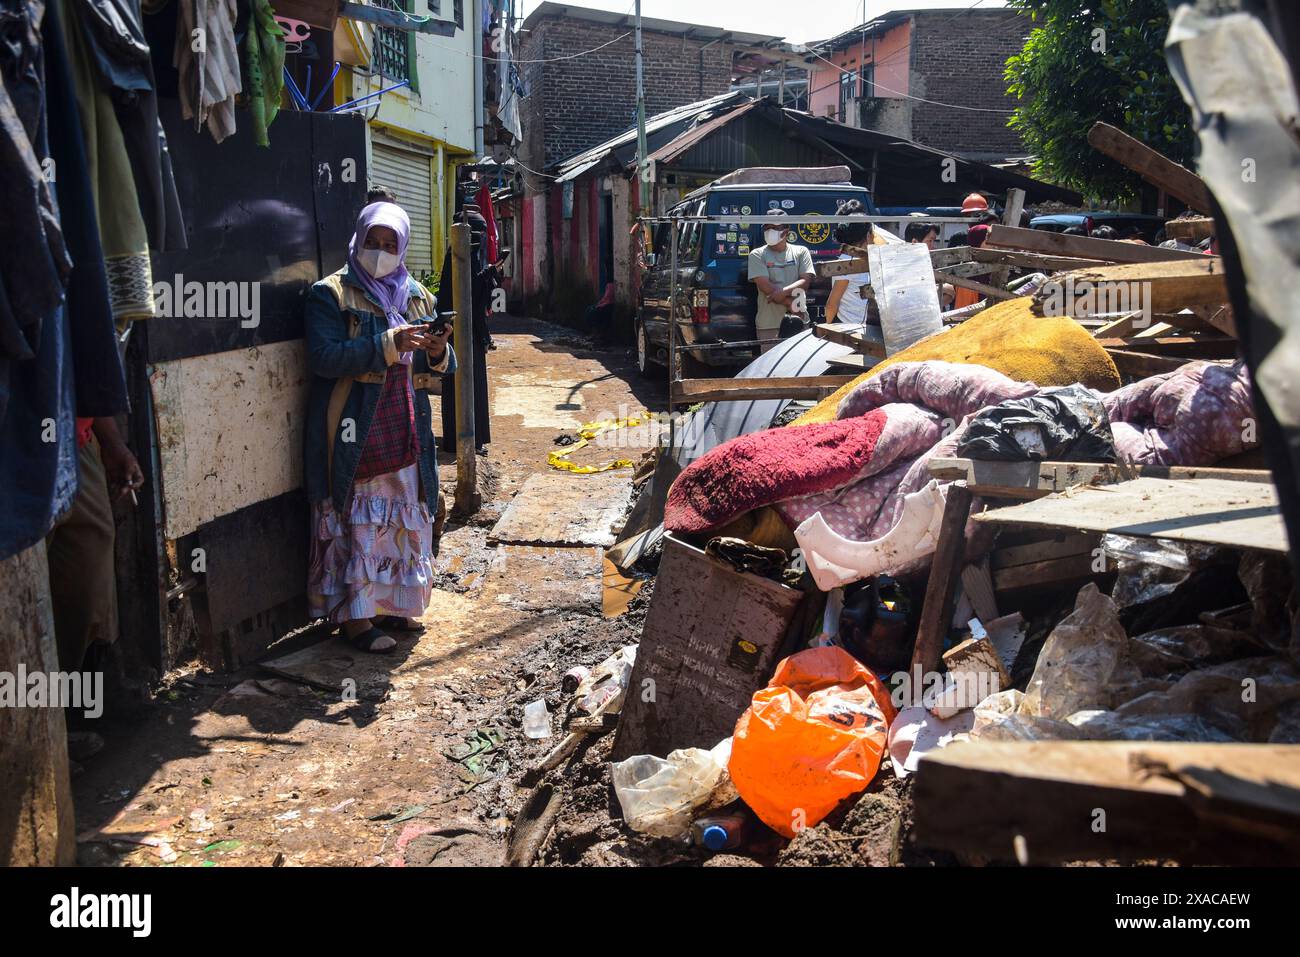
{"x": 1026, "y": 566}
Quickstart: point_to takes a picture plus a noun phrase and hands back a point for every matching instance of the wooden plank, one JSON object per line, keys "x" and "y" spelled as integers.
{"x": 560, "y": 508}
{"x": 841, "y": 267}
{"x": 1036, "y": 261}
{"x": 863, "y": 339}
{"x": 989, "y": 292}
{"x": 1038, "y": 479}
{"x": 1124, "y": 326}
{"x": 965, "y": 270}
{"x": 1215, "y": 318}
{"x": 690, "y": 391}
{"x": 1038, "y": 801}
{"x": 1190, "y": 229}
{"x": 1051, "y": 571}
{"x": 1011, "y": 211}
{"x": 1154, "y": 167}
{"x": 1068, "y": 544}
{"x": 1139, "y": 365}
{"x": 945, "y": 570}
{"x": 1084, "y": 247}
{"x": 1184, "y": 347}
{"x": 1155, "y": 287}
{"x": 977, "y": 583}
{"x": 856, "y": 362}
{"x": 951, "y": 256}
{"x": 1214, "y": 511}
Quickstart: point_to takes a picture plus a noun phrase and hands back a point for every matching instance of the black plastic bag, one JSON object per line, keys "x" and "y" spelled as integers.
{"x": 1067, "y": 424}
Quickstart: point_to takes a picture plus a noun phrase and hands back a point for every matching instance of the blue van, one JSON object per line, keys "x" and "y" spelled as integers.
{"x": 716, "y": 302}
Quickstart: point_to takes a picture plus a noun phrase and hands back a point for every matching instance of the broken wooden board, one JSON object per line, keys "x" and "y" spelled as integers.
{"x": 1197, "y": 803}
{"x": 1138, "y": 365}
{"x": 1030, "y": 480}
{"x": 711, "y": 639}
{"x": 690, "y": 391}
{"x": 863, "y": 339}
{"x": 543, "y": 578}
{"x": 1213, "y": 511}
{"x": 561, "y": 508}
{"x": 1185, "y": 348}
{"x": 1153, "y": 287}
{"x": 1154, "y": 167}
{"x": 1036, "y": 261}
{"x": 336, "y": 667}
{"x": 841, "y": 267}
{"x": 1084, "y": 247}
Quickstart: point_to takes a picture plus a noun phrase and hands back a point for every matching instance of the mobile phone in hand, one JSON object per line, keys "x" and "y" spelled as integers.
{"x": 440, "y": 322}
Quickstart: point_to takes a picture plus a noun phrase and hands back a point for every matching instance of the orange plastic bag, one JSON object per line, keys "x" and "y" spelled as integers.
{"x": 811, "y": 738}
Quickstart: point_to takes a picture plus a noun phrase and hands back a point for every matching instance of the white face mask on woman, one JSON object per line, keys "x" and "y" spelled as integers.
{"x": 377, "y": 262}
{"x": 771, "y": 236}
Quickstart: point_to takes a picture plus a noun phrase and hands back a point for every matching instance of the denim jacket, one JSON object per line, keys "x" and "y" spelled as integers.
{"x": 349, "y": 350}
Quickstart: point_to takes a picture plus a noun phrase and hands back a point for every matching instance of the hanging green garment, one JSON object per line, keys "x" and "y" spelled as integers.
{"x": 122, "y": 230}
{"x": 264, "y": 53}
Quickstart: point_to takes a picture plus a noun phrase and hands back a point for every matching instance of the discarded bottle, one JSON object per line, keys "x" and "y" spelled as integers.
{"x": 721, "y": 832}
{"x": 537, "y": 720}
{"x": 573, "y": 677}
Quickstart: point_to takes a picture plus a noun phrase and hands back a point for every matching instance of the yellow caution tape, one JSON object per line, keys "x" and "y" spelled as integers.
{"x": 588, "y": 431}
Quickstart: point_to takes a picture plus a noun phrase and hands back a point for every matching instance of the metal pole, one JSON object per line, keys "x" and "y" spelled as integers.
{"x": 462, "y": 292}
{"x": 642, "y": 158}
{"x": 672, "y": 336}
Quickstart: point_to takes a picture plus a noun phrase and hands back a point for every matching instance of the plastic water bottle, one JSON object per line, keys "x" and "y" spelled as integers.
{"x": 720, "y": 832}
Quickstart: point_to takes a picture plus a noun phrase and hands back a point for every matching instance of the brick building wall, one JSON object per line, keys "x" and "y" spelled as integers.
{"x": 962, "y": 61}
{"x": 575, "y": 104}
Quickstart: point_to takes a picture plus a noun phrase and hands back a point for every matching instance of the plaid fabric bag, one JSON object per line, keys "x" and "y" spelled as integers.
{"x": 392, "y": 443}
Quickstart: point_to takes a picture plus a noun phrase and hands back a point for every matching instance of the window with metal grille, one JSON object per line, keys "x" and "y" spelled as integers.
{"x": 394, "y": 50}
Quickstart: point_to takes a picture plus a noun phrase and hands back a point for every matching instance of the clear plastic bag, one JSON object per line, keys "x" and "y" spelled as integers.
{"x": 1083, "y": 659}
{"x": 660, "y": 796}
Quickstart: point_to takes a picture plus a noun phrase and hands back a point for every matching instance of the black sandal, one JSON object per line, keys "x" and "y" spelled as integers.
{"x": 397, "y": 623}
{"x": 365, "y": 639}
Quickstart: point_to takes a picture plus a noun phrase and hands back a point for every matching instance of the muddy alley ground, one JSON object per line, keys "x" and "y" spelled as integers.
{"x": 331, "y": 756}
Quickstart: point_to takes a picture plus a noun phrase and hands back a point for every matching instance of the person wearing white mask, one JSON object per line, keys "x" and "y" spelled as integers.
{"x": 783, "y": 272}
{"x": 374, "y": 349}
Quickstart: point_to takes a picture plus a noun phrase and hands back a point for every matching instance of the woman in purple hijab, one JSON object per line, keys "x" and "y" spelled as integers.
{"x": 371, "y": 468}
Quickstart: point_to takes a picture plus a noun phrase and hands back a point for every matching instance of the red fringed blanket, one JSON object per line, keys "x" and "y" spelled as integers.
{"x": 767, "y": 467}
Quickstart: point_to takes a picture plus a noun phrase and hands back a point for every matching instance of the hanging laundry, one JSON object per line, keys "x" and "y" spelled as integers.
{"x": 36, "y": 265}
{"x": 264, "y": 55}
{"x": 209, "y": 75}
{"x": 122, "y": 232}
{"x": 113, "y": 31}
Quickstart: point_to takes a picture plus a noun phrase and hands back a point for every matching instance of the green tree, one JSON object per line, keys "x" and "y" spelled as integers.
{"x": 1085, "y": 62}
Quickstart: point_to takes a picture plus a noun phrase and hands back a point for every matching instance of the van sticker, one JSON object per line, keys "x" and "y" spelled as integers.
{"x": 745, "y": 210}
{"x": 722, "y": 249}
{"x": 787, "y": 204}
{"x": 773, "y": 204}
{"x": 742, "y": 250}
{"x": 814, "y": 233}
{"x": 731, "y": 236}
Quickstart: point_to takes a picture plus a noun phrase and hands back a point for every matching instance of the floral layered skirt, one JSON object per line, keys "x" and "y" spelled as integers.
{"x": 377, "y": 559}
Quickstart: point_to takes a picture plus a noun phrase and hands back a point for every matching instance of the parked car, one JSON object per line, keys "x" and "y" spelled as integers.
{"x": 716, "y": 301}
{"x": 1149, "y": 226}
